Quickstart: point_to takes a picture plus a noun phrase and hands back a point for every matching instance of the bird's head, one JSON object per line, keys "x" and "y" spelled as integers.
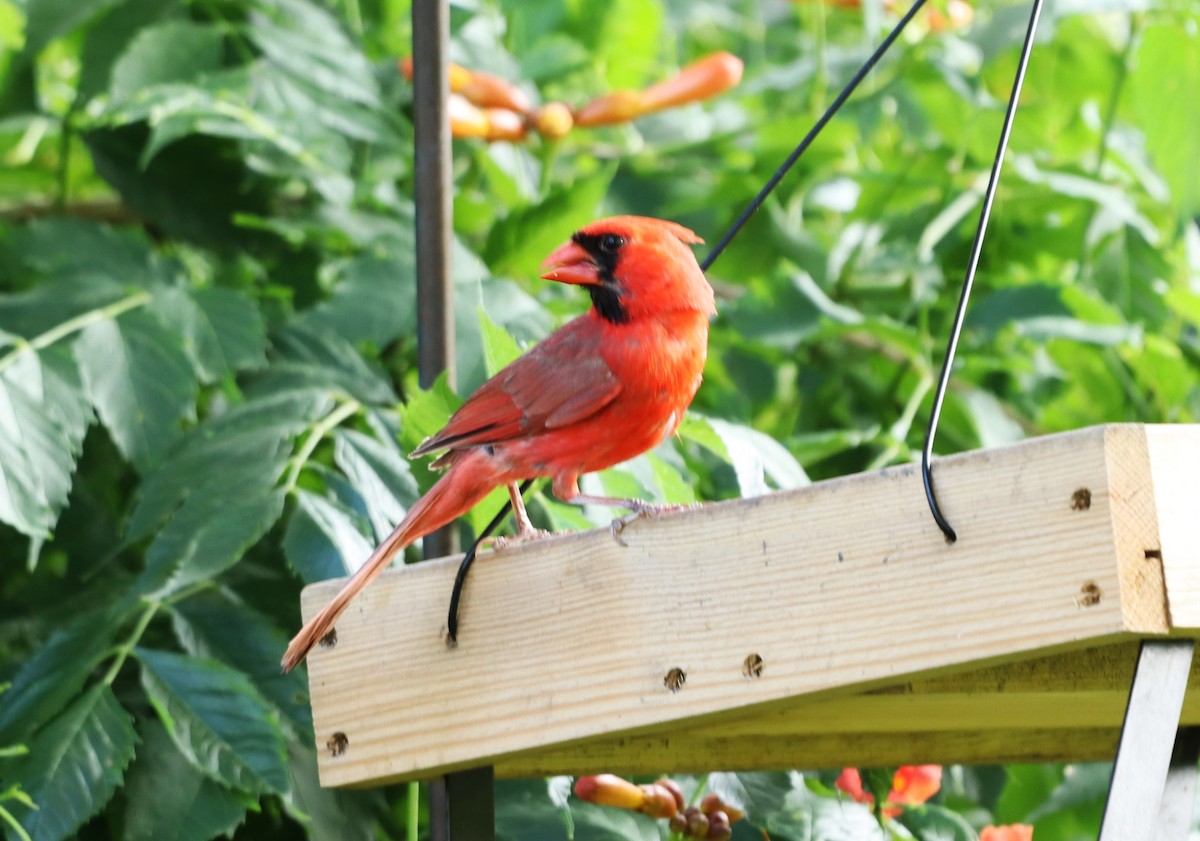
{"x": 633, "y": 266}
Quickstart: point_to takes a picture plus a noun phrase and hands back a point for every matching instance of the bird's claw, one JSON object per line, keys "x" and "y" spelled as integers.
{"x": 504, "y": 541}
{"x": 649, "y": 509}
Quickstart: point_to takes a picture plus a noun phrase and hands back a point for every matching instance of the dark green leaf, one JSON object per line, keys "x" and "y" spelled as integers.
{"x": 326, "y": 812}
{"x": 323, "y": 540}
{"x": 140, "y": 382}
{"x": 217, "y": 626}
{"x": 217, "y": 720}
{"x": 50, "y": 19}
{"x": 374, "y": 301}
{"x": 55, "y": 674}
{"x": 381, "y": 475}
{"x": 936, "y": 823}
{"x": 169, "y": 800}
{"x": 75, "y": 764}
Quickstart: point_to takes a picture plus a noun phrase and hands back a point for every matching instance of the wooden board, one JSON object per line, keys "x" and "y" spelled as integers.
{"x": 839, "y": 587}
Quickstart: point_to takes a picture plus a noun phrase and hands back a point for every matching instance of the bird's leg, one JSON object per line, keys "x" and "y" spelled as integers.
{"x": 568, "y": 491}
{"x": 525, "y": 529}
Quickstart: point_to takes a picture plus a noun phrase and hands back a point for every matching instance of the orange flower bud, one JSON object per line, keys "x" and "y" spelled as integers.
{"x": 673, "y": 787}
{"x": 713, "y": 803}
{"x": 553, "y": 120}
{"x": 616, "y": 107}
{"x": 460, "y": 77}
{"x": 405, "y": 65}
{"x": 958, "y": 15}
{"x": 660, "y": 801}
{"x": 718, "y": 826}
{"x": 610, "y": 790}
{"x": 698, "y": 825}
{"x": 465, "y": 119}
{"x": 701, "y": 79}
{"x": 1012, "y": 832}
{"x": 504, "y": 124}
{"x": 488, "y": 91}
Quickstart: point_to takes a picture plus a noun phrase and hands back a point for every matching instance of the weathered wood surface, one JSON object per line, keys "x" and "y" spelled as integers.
{"x": 839, "y": 589}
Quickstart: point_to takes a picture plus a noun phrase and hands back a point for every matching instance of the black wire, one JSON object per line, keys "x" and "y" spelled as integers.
{"x": 460, "y": 579}
{"x": 810, "y": 137}
{"x": 972, "y": 264}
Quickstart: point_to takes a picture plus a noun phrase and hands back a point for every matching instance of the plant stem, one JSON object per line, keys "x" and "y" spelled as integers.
{"x": 73, "y": 325}
{"x": 123, "y": 651}
{"x": 319, "y": 430}
{"x": 1114, "y": 99}
{"x": 414, "y": 810}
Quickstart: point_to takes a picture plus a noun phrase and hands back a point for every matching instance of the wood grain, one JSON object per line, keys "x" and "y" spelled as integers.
{"x": 841, "y": 587}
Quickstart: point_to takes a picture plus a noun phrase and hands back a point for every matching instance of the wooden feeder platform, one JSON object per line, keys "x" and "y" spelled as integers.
{"x": 826, "y": 626}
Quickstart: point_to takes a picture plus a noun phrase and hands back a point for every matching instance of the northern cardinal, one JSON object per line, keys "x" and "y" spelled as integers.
{"x": 603, "y": 388}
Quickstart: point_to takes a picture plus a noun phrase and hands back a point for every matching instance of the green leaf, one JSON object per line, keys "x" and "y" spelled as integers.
{"x": 75, "y": 764}
{"x": 1166, "y": 74}
{"x": 49, "y": 19}
{"x": 499, "y": 348}
{"x": 42, "y": 424}
{"x": 174, "y": 51}
{"x": 381, "y": 475}
{"x": 55, "y": 673}
{"x": 222, "y": 330}
{"x": 219, "y": 626}
{"x": 140, "y": 382}
{"x": 310, "y": 358}
{"x": 374, "y": 301}
{"x": 426, "y": 412}
{"x": 217, "y": 719}
{"x": 322, "y": 539}
{"x": 327, "y": 813}
{"x": 169, "y": 800}
{"x": 518, "y": 243}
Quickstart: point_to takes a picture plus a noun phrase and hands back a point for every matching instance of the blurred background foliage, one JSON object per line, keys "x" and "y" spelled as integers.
{"x": 207, "y": 367}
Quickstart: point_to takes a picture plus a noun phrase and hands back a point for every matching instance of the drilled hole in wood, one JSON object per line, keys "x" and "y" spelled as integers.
{"x": 1081, "y": 500}
{"x": 752, "y": 666}
{"x": 675, "y": 679}
{"x": 1154, "y": 554}
{"x": 1089, "y": 594}
{"x": 337, "y": 743}
{"x": 329, "y": 640}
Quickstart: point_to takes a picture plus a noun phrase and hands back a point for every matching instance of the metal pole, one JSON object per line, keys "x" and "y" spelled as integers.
{"x": 434, "y": 196}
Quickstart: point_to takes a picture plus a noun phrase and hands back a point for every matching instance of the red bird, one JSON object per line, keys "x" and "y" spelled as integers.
{"x": 602, "y": 389}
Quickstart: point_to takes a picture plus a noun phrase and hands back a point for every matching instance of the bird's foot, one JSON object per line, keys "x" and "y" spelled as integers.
{"x": 643, "y": 510}
{"x": 523, "y": 536}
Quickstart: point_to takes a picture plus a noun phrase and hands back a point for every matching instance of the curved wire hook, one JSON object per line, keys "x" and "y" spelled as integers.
{"x": 976, "y": 247}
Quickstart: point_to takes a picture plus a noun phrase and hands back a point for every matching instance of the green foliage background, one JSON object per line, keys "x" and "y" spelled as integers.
{"x": 207, "y": 368}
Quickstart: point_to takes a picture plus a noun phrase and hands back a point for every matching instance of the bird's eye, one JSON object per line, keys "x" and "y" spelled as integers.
{"x": 609, "y": 243}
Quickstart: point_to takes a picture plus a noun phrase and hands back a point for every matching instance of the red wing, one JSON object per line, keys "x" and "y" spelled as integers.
{"x": 560, "y": 381}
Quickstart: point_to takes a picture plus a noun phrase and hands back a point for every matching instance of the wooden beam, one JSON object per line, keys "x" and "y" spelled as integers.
{"x": 760, "y": 605}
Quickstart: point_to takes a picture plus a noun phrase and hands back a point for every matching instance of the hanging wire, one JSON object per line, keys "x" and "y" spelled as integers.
{"x": 802, "y": 147}
{"x": 465, "y": 566}
{"x": 984, "y": 214}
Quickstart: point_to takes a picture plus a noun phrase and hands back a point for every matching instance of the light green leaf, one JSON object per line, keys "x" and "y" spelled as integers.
{"x": 42, "y": 424}
{"x": 217, "y": 719}
{"x": 222, "y": 330}
{"x": 140, "y": 382}
{"x": 75, "y": 764}
{"x": 499, "y": 348}
{"x": 323, "y": 540}
{"x": 169, "y": 800}
{"x": 174, "y": 51}
{"x": 756, "y": 457}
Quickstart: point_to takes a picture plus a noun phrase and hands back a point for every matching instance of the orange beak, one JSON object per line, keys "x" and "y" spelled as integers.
{"x": 569, "y": 263}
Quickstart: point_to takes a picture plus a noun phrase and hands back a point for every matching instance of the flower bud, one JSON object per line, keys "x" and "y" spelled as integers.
{"x": 465, "y": 119}
{"x": 660, "y": 801}
{"x": 713, "y": 803}
{"x": 673, "y": 787}
{"x": 701, "y": 79}
{"x": 616, "y": 107}
{"x": 610, "y": 790}
{"x": 553, "y": 120}
{"x": 504, "y": 124}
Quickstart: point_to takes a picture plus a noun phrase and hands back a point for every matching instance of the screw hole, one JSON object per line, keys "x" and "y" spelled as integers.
{"x": 675, "y": 679}
{"x": 1081, "y": 500}
{"x": 329, "y": 640}
{"x": 338, "y": 743}
{"x": 752, "y": 666}
{"x": 1089, "y": 594}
